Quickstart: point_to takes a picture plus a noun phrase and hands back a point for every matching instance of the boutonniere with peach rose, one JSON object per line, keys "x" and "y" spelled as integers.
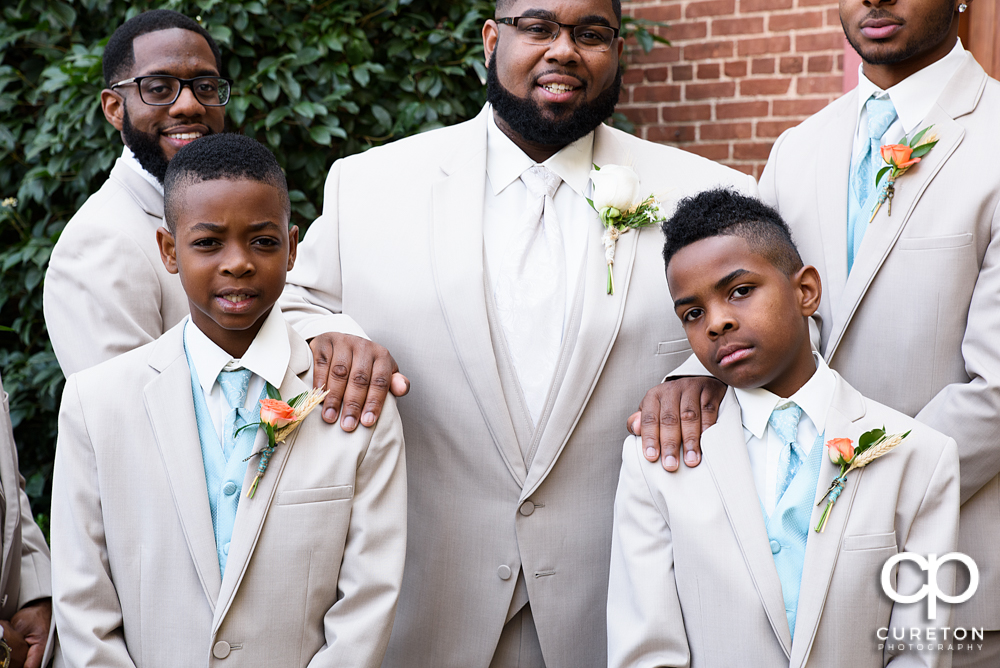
{"x": 871, "y": 445}
{"x": 621, "y": 208}
{"x": 898, "y": 158}
{"x": 279, "y": 419}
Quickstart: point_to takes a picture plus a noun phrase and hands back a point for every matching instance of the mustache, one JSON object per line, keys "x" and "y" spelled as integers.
{"x": 880, "y": 13}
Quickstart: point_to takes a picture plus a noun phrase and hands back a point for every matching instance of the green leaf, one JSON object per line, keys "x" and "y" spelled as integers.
{"x": 920, "y": 135}
{"x": 881, "y": 173}
{"x": 921, "y": 151}
{"x": 645, "y": 39}
{"x": 382, "y": 116}
{"x": 321, "y": 135}
{"x": 276, "y": 116}
{"x": 272, "y": 391}
{"x": 361, "y": 75}
{"x": 869, "y": 438}
{"x": 270, "y": 90}
{"x": 296, "y": 399}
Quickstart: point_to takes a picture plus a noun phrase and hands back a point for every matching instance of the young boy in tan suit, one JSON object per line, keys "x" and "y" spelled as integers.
{"x": 725, "y": 564}
{"x": 169, "y": 547}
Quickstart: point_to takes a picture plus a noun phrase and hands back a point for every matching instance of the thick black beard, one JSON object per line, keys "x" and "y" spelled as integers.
{"x": 525, "y": 117}
{"x": 146, "y": 148}
{"x": 917, "y": 45}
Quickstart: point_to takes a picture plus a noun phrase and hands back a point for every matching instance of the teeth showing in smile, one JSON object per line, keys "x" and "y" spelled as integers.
{"x": 235, "y": 299}
{"x": 557, "y": 88}
{"x": 186, "y": 135}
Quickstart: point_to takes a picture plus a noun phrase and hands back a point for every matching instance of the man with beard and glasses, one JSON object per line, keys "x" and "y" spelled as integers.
{"x": 106, "y": 289}
{"x": 912, "y": 307}
{"x": 472, "y": 254}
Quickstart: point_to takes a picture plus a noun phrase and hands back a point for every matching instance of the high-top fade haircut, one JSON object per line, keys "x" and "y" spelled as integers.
{"x": 226, "y": 156}
{"x": 722, "y": 212}
{"x": 119, "y": 56}
{"x": 504, "y": 5}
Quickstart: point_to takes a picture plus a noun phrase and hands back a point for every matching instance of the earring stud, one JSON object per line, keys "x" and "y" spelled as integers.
{"x": 962, "y": 7}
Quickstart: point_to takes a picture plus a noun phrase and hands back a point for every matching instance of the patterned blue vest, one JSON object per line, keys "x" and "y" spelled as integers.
{"x": 224, "y": 477}
{"x": 788, "y": 528}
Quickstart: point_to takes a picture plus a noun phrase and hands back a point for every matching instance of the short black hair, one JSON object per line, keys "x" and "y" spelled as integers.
{"x": 119, "y": 55}
{"x": 616, "y": 7}
{"x": 220, "y": 156}
{"x": 723, "y": 212}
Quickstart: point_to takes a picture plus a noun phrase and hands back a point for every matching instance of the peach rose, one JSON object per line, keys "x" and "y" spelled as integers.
{"x": 276, "y": 413}
{"x": 898, "y": 155}
{"x": 841, "y": 450}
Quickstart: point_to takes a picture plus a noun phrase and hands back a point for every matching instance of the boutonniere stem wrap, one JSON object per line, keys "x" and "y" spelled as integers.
{"x": 279, "y": 419}
{"x": 898, "y": 158}
{"x": 871, "y": 445}
{"x": 621, "y": 208}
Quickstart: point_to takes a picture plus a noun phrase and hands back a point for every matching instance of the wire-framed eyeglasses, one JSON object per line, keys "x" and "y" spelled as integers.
{"x": 533, "y": 30}
{"x": 161, "y": 90}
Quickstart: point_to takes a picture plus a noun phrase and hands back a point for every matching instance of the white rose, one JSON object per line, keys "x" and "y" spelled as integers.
{"x": 615, "y": 186}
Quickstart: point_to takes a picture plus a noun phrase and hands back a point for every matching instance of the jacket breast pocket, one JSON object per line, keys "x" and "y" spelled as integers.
{"x": 315, "y": 495}
{"x": 871, "y": 541}
{"x": 935, "y": 243}
{"x": 670, "y": 347}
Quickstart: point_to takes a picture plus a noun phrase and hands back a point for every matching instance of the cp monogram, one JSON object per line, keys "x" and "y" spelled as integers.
{"x": 930, "y": 591}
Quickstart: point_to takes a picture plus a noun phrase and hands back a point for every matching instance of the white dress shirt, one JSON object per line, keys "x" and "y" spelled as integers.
{"x": 267, "y": 358}
{"x": 763, "y": 445}
{"x": 128, "y": 157}
{"x": 503, "y": 210}
{"x": 912, "y": 97}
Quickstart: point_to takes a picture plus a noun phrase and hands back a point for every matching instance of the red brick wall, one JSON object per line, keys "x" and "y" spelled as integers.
{"x": 736, "y": 74}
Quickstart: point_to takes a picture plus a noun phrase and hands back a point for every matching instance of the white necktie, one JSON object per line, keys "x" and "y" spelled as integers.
{"x": 531, "y": 290}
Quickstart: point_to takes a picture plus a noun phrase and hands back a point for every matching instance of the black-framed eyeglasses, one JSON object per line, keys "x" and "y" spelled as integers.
{"x": 161, "y": 90}
{"x": 533, "y": 30}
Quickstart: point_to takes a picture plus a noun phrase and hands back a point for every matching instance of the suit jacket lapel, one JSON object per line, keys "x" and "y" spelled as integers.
{"x": 250, "y": 513}
{"x": 822, "y": 549}
{"x": 457, "y": 247}
{"x": 725, "y": 453}
{"x": 142, "y": 191}
{"x": 170, "y": 406}
{"x": 599, "y": 324}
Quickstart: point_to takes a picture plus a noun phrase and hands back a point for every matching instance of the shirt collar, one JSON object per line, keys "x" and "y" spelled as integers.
{"x": 914, "y": 96}
{"x": 813, "y": 398}
{"x": 267, "y": 356}
{"x": 505, "y": 162}
{"x": 128, "y": 157}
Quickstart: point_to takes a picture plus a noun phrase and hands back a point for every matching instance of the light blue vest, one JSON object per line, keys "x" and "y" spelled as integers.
{"x": 788, "y": 528}
{"x": 224, "y": 477}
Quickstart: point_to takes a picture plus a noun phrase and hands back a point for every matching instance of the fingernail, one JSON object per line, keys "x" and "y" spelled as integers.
{"x": 368, "y": 419}
{"x": 329, "y": 414}
{"x": 671, "y": 461}
{"x": 650, "y": 453}
{"x": 350, "y": 423}
{"x": 690, "y": 458}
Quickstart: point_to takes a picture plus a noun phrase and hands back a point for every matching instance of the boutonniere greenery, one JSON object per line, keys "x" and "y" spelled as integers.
{"x": 871, "y": 445}
{"x": 898, "y": 158}
{"x": 621, "y": 208}
{"x": 279, "y": 419}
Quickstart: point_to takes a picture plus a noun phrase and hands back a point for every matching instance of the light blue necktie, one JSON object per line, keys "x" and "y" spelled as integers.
{"x": 862, "y": 196}
{"x": 234, "y": 385}
{"x": 784, "y": 421}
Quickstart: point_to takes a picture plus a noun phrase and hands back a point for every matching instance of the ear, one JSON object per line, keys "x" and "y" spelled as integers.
{"x": 491, "y": 31}
{"x": 293, "y": 245}
{"x": 168, "y": 249}
{"x": 621, "y": 48}
{"x": 113, "y": 106}
{"x": 810, "y": 289}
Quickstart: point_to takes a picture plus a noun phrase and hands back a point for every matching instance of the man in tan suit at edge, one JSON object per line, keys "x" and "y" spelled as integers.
{"x": 913, "y": 323}
{"x": 511, "y": 433}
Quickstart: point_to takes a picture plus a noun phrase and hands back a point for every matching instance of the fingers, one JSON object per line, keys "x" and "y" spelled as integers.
{"x": 330, "y": 372}
{"x": 672, "y": 417}
{"x": 690, "y": 425}
{"x": 399, "y": 385}
{"x": 632, "y": 424}
{"x": 383, "y": 367}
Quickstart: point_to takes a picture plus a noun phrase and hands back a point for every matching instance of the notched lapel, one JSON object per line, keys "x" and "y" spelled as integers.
{"x": 457, "y": 247}
{"x": 251, "y": 513}
{"x": 725, "y": 453}
{"x": 599, "y": 324}
{"x": 170, "y": 406}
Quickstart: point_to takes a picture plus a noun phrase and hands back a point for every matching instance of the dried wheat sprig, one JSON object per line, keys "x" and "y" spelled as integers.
{"x": 874, "y": 452}
{"x": 302, "y": 409}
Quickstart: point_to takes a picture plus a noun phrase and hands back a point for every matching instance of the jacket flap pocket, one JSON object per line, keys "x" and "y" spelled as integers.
{"x": 667, "y": 347}
{"x": 315, "y": 495}
{"x": 870, "y": 541}
{"x": 932, "y": 243}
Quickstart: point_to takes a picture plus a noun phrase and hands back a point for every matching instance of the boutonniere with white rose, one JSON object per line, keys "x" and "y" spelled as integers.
{"x": 871, "y": 445}
{"x": 279, "y": 419}
{"x": 621, "y": 208}
{"x": 898, "y": 158}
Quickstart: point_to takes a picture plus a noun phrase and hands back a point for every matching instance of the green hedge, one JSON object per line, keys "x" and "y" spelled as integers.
{"x": 317, "y": 81}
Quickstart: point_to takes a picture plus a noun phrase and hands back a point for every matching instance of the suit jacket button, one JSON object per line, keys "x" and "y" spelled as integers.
{"x": 503, "y": 572}
{"x": 527, "y": 508}
{"x": 221, "y": 650}
{"x": 775, "y": 547}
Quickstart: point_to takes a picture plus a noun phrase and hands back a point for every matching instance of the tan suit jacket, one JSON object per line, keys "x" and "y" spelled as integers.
{"x": 916, "y": 324}
{"x": 693, "y": 580}
{"x": 399, "y": 248}
{"x": 26, "y": 571}
{"x": 106, "y": 290}
{"x": 316, "y": 556}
